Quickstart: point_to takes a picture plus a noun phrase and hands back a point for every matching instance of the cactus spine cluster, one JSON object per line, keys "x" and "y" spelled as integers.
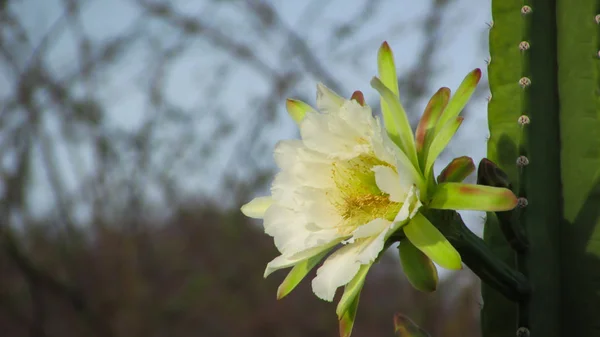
{"x": 544, "y": 122}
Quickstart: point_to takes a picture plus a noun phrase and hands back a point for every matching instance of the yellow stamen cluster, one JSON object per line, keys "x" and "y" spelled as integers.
{"x": 357, "y": 197}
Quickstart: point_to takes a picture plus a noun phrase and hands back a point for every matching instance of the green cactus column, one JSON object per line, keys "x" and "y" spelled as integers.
{"x": 579, "y": 85}
{"x": 544, "y": 120}
{"x": 524, "y": 121}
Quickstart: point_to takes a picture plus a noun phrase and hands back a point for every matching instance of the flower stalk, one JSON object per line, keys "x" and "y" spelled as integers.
{"x": 476, "y": 254}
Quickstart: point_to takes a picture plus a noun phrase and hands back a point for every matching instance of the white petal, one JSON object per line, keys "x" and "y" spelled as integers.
{"x": 388, "y": 182}
{"x": 279, "y": 262}
{"x": 371, "y": 228}
{"x": 360, "y": 118}
{"x": 257, "y": 207}
{"x": 409, "y": 208}
{"x": 289, "y": 153}
{"x": 383, "y": 147}
{"x": 415, "y": 202}
{"x": 292, "y": 233}
{"x": 404, "y": 212}
{"x": 319, "y": 209}
{"x": 327, "y": 100}
{"x": 409, "y": 175}
{"x": 371, "y": 247}
{"x": 288, "y": 229}
{"x": 331, "y": 135}
{"x": 284, "y": 261}
{"x": 336, "y": 271}
{"x": 286, "y": 153}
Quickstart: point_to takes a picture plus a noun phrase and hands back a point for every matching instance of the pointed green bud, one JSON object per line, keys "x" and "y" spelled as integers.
{"x": 297, "y": 109}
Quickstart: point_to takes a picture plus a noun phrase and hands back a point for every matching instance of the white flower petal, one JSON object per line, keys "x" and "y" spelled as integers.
{"x": 331, "y": 135}
{"x": 408, "y": 174}
{"x": 286, "y": 153}
{"x": 279, "y": 262}
{"x": 309, "y": 166}
{"x": 286, "y": 261}
{"x": 319, "y": 209}
{"x": 383, "y": 147}
{"x": 360, "y": 118}
{"x": 371, "y": 228}
{"x": 404, "y": 212}
{"x": 288, "y": 229}
{"x": 409, "y": 208}
{"x": 371, "y": 247}
{"x": 327, "y": 100}
{"x": 336, "y": 271}
{"x": 292, "y": 233}
{"x": 388, "y": 182}
{"x": 257, "y": 207}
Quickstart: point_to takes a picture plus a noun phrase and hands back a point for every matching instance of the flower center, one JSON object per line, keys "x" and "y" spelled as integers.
{"x": 357, "y": 197}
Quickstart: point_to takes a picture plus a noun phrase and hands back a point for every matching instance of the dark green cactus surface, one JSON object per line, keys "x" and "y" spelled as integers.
{"x": 544, "y": 121}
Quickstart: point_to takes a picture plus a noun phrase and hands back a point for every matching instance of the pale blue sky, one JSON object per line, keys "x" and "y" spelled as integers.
{"x": 461, "y": 51}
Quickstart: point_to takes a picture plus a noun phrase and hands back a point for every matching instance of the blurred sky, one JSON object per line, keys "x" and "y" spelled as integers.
{"x": 463, "y": 49}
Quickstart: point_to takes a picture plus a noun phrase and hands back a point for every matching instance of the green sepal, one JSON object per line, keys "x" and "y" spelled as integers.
{"x": 489, "y": 174}
{"x": 348, "y": 305}
{"x": 257, "y": 207}
{"x": 352, "y": 290}
{"x": 405, "y": 327}
{"x": 297, "y": 109}
{"x": 460, "y": 98}
{"x": 387, "y": 72}
{"x": 404, "y": 137}
{"x": 431, "y": 242}
{"x": 459, "y": 196}
{"x": 440, "y": 142}
{"x": 418, "y": 268}
{"x": 457, "y": 171}
{"x": 424, "y": 133}
{"x": 295, "y": 276}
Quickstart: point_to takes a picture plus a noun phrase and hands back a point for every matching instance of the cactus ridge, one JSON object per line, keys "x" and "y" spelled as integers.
{"x": 544, "y": 121}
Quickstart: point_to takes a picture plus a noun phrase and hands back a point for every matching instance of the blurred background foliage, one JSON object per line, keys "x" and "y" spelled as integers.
{"x": 131, "y": 132}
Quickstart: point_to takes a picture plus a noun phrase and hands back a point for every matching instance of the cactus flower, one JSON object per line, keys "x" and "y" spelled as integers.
{"x": 350, "y": 182}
